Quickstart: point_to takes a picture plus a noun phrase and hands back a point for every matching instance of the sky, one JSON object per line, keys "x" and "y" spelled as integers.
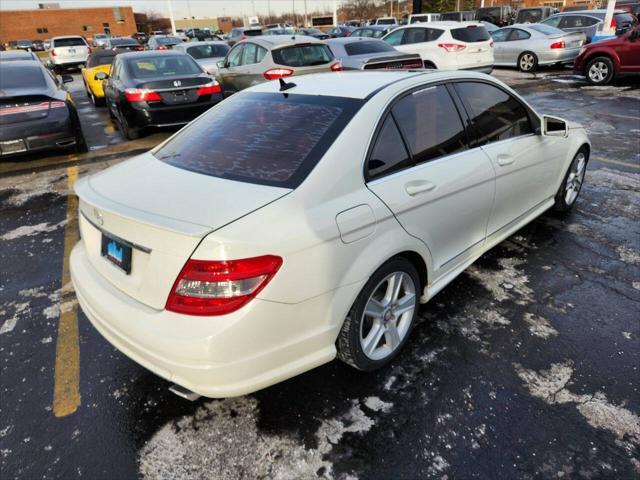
{"x": 186, "y": 8}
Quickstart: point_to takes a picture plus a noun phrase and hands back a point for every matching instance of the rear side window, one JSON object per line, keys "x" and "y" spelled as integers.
{"x": 430, "y": 123}
{"x": 495, "y": 114}
{"x": 367, "y": 46}
{"x": 419, "y": 35}
{"x": 69, "y": 42}
{"x": 552, "y": 21}
{"x": 263, "y": 138}
{"x": 470, "y": 34}
{"x": 161, "y": 66}
{"x": 389, "y": 153}
{"x": 302, "y": 55}
{"x": 207, "y": 51}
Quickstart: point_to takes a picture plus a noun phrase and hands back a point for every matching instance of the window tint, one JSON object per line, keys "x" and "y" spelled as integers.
{"x": 69, "y": 42}
{"x": 249, "y": 54}
{"x": 22, "y": 77}
{"x": 389, "y": 153}
{"x": 430, "y": 123}
{"x": 260, "y": 54}
{"x": 533, "y": 15}
{"x": 546, "y": 29}
{"x": 518, "y": 34}
{"x": 362, "y": 32}
{"x": 576, "y": 21}
{"x": 168, "y": 40}
{"x": 471, "y": 34}
{"x": 623, "y": 18}
{"x": 552, "y": 21}
{"x": 146, "y": 67}
{"x": 496, "y": 115}
{"x": 378, "y": 33}
{"x": 302, "y": 56}
{"x": 252, "y": 33}
{"x": 207, "y": 51}
{"x": 235, "y": 56}
{"x": 501, "y": 35}
{"x": 261, "y": 138}
{"x": 418, "y": 35}
{"x": 123, "y": 41}
{"x": 395, "y": 37}
{"x": 100, "y": 59}
{"x": 367, "y": 46}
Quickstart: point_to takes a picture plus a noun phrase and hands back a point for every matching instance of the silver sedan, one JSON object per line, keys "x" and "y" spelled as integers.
{"x": 207, "y": 54}
{"x": 527, "y": 46}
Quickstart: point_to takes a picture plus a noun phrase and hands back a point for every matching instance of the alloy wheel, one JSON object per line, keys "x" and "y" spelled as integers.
{"x": 598, "y": 72}
{"x": 575, "y": 179}
{"x": 387, "y": 315}
{"x": 526, "y": 62}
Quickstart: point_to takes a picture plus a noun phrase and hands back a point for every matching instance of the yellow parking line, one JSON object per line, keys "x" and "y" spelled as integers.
{"x": 617, "y": 162}
{"x": 66, "y": 388}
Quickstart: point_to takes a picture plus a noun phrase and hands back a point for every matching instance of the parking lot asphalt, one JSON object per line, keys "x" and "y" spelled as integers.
{"x": 526, "y": 366}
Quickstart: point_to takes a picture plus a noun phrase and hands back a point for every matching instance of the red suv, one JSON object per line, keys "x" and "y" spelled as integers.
{"x": 601, "y": 61}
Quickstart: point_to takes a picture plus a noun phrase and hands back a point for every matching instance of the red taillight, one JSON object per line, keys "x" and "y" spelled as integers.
{"x": 53, "y": 52}
{"x": 31, "y": 107}
{"x": 613, "y": 22}
{"x": 141, "y": 95}
{"x": 452, "y": 47}
{"x": 558, "y": 44}
{"x": 336, "y": 67}
{"x": 209, "y": 89}
{"x": 219, "y": 287}
{"x": 162, "y": 47}
{"x": 275, "y": 73}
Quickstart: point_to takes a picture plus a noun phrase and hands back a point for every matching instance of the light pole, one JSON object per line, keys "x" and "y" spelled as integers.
{"x": 173, "y": 22}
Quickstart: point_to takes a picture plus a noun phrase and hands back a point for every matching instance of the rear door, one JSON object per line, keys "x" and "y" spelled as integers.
{"x": 629, "y": 52}
{"x": 421, "y": 167}
{"x": 501, "y": 46}
{"x": 526, "y": 164}
{"x": 518, "y": 42}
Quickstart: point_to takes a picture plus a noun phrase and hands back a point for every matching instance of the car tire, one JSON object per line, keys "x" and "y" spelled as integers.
{"x": 97, "y": 102}
{"x": 571, "y": 185}
{"x": 429, "y": 65}
{"x": 380, "y": 321}
{"x": 527, "y": 62}
{"x": 129, "y": 132}
{"x": 81, "y": 144}
{"x": 599, "y": 71}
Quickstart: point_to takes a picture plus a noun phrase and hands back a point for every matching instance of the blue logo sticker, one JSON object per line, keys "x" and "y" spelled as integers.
{"x": 114, "y": 252}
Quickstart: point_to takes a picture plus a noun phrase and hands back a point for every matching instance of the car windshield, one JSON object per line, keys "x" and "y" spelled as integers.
{"x": 302, "y": 55}
{"x": 208, "y": 51}
{"x": 161, "y": 66}
{"x": 168, "y": 40}
{"x": 100, "y": 59}
{"x": 367, "y": 46}
{"x": 546, "y": 29}
{"x": 471, "y": 34}
{"x": 263, "y": 138}
{"x": 22, "y": 77}
{"x": 69, "y": 42}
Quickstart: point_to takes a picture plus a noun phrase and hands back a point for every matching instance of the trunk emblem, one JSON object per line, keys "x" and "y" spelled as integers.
{"x": 177, "y": 83}
{"x": 98, "y": 216}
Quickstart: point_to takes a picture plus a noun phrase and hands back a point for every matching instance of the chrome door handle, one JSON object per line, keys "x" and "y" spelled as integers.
{"x": 504, "y": 160}
{"x": 414, "y": 188}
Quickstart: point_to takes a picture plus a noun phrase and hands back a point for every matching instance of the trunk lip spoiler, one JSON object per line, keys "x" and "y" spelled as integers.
{"x": 115, "y": 237}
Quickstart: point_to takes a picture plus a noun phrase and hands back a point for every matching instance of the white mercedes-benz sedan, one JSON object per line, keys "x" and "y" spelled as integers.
{"x": 296, "y": 222}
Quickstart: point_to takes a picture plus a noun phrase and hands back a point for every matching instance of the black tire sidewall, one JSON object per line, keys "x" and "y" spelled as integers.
{"x": 609, "y": 63}
{"x": 357, "y": 355}
{"x": 560, "y": 202}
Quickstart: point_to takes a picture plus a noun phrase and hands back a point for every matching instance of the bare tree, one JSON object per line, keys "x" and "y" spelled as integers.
{"x": 361, "y": 8}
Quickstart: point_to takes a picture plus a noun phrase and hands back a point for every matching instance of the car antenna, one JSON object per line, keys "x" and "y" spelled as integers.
{"x": 284, "y": 86}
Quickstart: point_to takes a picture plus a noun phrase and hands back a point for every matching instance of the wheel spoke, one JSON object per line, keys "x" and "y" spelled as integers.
{"x": 391, "y": 336}
{"x": 396, "y": 287}
{"x": 374, "y": 308}
{"x": 405, "y": 304}
{"x": 373, "y": 338}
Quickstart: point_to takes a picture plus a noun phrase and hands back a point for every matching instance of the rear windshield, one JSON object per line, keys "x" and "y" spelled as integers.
{"x": 362, "y": 47}
{"x": 471, "y": 34}
{"x": 252, "y": 33}
{"x": 160, "y": 66}
{"x": 15, "y": 56}
{"x": 123, "y": 41}
{"x": 96, "y": 60}
{"x": 302, "y": 55}
{"x": 207, "y": 51}
{"x": 546, "y": 29}
{"x": 450, "y": 16}
{"x": 386, "y": 21}
{"x": 69, "y": 42}
{"x": 28, "y": 77}
{"x": 168, "y": 40}
{"x": 531, "y": 16}
{"x": 420, "y": 18}
{"x": 263, "y": 138}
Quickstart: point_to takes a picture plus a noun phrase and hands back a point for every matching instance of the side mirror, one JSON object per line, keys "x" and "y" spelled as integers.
{"x": 221, "y": 64}
{"x": 67, "y": 78}
{"x": 554, "y": 127}
{"x": 101, "y": 76}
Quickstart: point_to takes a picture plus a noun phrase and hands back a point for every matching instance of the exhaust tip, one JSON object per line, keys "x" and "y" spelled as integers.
{"x": 184, "y": 393}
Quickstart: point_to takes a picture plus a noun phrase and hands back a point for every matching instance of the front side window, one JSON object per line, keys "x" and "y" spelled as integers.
{"x": 430, "y": 123}
{"x": 395, "y": 37}
{"x": 263, "y": 138}
{"x": 207, "y": 51}
{"x": 389, "y": 153}
{"x": 235, "y": 57}
{"x": 249, "y": 54}
{"x": 495, "y": 114}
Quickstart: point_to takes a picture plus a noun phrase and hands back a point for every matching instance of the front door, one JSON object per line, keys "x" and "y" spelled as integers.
{"x": 228, "y": 75}
{"x": 421, "y": 168}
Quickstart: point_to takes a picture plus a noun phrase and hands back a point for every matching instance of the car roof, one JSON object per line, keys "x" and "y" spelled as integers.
{"x": 588, "y": 12}
{"x": 269, "y": 41}
{"x": 357, "y": 85}
{"x": 374, "y": 27}
{"x": 345, "y": 40}
{"x": 66, "y": 36}
{"x": 151, "y": 53}
{"x": 443, "y": 23}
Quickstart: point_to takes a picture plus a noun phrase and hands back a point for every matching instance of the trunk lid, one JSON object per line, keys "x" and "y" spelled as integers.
{"x": 26, "y": 107}
{"x": 163, "y": 212}
{"x": 394, "y": 62}
{"x": 176, "y": 90}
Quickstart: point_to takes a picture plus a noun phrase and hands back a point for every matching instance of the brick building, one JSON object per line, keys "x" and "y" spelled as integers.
{"x": 46, "y": 23}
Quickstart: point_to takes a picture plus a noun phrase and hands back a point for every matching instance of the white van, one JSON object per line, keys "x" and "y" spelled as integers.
{"x": 68, "y": 52}
{"x": 423, "y": 18}
{"x": 386, "y": 21}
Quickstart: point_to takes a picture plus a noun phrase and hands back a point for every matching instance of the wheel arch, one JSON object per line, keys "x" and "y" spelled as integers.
{"x": 417, "y": 261}
{"x": 603, "y": 52}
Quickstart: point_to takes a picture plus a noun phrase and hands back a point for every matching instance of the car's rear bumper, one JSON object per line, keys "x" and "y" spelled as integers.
{"x": 261, "y": 344}
{"x": 174, "y": 115}
{"x": 46, "y": 134}
{"x": 558, "y": 55}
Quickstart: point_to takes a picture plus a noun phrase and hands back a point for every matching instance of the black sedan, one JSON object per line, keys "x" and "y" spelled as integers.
{"x": 123, "y": 44}
{"x": 36, "y": 112}
{"x": 157, "y": 89}
{"x": 312, "y": 32}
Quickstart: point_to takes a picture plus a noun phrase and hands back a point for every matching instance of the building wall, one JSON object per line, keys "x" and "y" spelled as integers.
{"x": 46, "y": 23}
{"x": 185, "y": 23}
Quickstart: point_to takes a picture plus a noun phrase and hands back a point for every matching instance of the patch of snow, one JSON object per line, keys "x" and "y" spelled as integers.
{"x": 539, "y": 326}
{"x": 30, "y": 230}
{"x": 377, "y": 405}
